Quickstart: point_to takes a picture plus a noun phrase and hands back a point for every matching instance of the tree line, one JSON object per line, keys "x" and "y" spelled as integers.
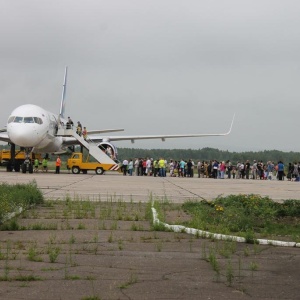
{"x": 210, "y": 154}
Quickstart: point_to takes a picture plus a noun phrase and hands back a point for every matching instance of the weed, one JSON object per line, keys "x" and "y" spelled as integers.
{"x": 11, "y": 225}
{"x": 80, "y": 226}
{"x": 50, "y": 269}
{"x": 53, "y": 253}
{"x": 91, "y": 298}
{"x": 114, "y": 226}
{"x": 253, "y": 266}
{"x": 229, "y": 273}
{"x": 120, "y": 245}
{"x": 33, "y": 254}
{"x": 110, "y": 238}
{"x": 27, "y": 278}
{"x": 134, "y": 227}
{"x": 159, "y": 246}
{"x": 203, "y": 251}
{"x": 72, "y": 239}
{"x": 132, "y": 280}
{"x": 246, "y": 251}
{"x": 73, "y": 277}
{"x": 213, "y": 261}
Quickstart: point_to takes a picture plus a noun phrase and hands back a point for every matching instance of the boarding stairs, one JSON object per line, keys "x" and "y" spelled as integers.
{"x": 98, "y": 153}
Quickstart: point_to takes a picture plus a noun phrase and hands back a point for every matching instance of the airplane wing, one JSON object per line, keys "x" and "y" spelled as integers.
{"x": 162, "y": 137}
{"x": 103, "y": 130}
{"x": 4, "y": 136}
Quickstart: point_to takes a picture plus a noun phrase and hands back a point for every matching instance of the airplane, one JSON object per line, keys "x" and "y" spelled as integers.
{"x": 34, "y": 129}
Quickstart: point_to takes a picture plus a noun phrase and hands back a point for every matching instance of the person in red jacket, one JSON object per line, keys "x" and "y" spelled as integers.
{"x": 57, "y": 164}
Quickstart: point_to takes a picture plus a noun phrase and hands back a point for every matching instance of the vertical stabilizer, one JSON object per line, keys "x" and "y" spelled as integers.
{"x": 63, "y": 97}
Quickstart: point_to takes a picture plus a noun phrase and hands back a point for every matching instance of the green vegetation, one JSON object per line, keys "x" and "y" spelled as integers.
{"x": 250, "y": 216}
{"x": 210, "y": 153}
{"x": 16, "y": 197}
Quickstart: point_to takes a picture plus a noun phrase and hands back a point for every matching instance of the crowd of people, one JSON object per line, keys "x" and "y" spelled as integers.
{"x": 211, "y": 169}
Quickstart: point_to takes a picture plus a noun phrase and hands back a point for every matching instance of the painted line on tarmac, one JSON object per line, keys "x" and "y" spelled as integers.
{"x": 65, "y": 186}
{"x": 180, "y": 187}
{"x": 218, "y": 236}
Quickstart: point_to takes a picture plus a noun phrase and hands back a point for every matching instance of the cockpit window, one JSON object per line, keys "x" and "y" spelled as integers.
{"x": 11, "y": 119}
{"x": 25, "y": 120}
{"x": 38, "y": 120}
{"x": 18, "y": 120}
{"x": 28, "y": 120}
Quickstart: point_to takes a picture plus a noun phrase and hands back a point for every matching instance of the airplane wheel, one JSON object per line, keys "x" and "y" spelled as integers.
{"x": 99, "y": 171}
{"x": 75, "y": 170}
{"x": 24, "y": 168}
{"x": 30, "y": 169}
{"x": 9, "y": 168}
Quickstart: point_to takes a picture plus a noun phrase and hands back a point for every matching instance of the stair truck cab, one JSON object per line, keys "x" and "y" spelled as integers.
{"x": 76, "y": 163}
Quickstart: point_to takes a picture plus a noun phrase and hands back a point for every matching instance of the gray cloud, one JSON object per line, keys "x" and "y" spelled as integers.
{"x": 159, "y": 67}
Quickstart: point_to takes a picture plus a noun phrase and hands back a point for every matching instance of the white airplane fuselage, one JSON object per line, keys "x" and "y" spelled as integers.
{"x": 30, "y": 126}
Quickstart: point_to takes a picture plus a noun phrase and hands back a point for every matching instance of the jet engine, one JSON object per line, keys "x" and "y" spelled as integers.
{"x": 109, "y": 149}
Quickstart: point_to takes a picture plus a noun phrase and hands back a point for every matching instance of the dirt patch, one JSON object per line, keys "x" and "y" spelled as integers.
{"x": 108, "y": 250}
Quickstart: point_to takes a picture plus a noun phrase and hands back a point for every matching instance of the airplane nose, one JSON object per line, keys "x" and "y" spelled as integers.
{"x": 23, "y": 137}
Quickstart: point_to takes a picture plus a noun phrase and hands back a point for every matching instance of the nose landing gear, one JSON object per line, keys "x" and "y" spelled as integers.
{"x": 27, "y": 164}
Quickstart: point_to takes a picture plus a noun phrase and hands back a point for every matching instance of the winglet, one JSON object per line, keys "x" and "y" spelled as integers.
{"x": 63, "y": 96}
{"x": 230, "y": 125}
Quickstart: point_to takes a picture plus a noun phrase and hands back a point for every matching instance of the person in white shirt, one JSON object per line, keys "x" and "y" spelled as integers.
{"x": 125, "y": 165}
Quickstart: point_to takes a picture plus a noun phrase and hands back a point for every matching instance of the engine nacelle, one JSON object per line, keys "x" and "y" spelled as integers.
{"x": 109, "y": 149}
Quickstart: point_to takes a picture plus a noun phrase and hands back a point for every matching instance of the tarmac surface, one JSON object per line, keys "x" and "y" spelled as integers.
{"x": 116, "y": 255}
{"x": 139, "y": 188}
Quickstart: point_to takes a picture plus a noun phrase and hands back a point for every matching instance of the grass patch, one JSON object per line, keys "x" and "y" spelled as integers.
{"x": 249, "y": 216}
{"x": 14, "y": 197}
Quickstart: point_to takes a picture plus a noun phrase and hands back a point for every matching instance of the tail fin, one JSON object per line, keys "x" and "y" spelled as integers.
{"x": 63, "y": 96}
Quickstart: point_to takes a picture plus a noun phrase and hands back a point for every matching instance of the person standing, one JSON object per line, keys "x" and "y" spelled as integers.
{"x": 162, "y": 167}
{"x": 79, "y": 128}
{"x": 247, "y": 169}
{"x": 57, "y": 164}
{"x": 222, "y": 170}
{"x": 254, "y": 170}
{"x": 189, "y": 166}
{"x": 156, "y": 167}
{"x": 36, "y": 165}
{"x": 215, "y": 166}
{"x": 45, "y": 164}
{"x": 125, "y": 165}
{"x": 199, "y": 165}
{"x": 148, "y": 167}
{"x": 130, "y": 167}
{"x": 280, "y": 166}
{"x": 69, "y": 123}
{"x": 136, "y": 167}
{"x": 84, "y": 133}
{"x": 171, "y": 166}
{"x": 229, "y": 168}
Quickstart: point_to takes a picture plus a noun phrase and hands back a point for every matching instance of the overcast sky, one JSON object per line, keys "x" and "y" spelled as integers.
{"x": 159, "y": 67}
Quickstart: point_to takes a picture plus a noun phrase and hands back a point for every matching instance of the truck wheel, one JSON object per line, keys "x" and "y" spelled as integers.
{"x": 17, "y": 167}
{"x": 99, "y": 171}
{"x": 24, "y": 168}
{"x": 30, "y": 168}
{"x": 9, "y": 168}
{"x": 75, "y": 170}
